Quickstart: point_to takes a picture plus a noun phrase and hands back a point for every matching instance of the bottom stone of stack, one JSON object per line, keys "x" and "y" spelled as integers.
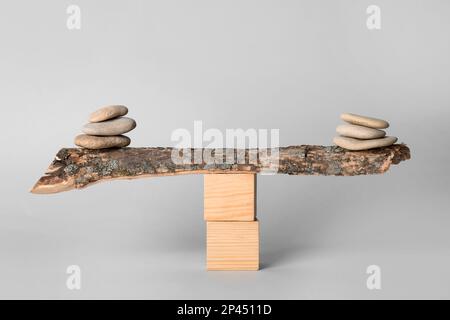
{"x": 232, "y": 245}
{"x": 101, "y": 142}
{"x": 357, "y": 144}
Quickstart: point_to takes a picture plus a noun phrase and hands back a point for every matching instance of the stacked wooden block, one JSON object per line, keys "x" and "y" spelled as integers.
{"x": 232, "y": 231}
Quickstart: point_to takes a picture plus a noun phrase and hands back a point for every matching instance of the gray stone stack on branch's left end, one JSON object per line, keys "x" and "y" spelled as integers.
{"x": 106, "y": 128}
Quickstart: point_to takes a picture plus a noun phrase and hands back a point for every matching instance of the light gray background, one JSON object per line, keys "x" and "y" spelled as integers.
{"x": 292, "y": 65}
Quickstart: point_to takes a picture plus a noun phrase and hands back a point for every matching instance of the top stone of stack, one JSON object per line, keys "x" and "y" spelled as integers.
{"x": 108, "y": 112}
{"x": 364, "y": 121}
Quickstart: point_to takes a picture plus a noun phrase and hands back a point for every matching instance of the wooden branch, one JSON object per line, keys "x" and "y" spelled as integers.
{"x": 75, "y": 168}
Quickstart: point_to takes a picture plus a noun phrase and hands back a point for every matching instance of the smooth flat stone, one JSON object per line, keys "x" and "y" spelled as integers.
{"x": 356, "y": 144}
{"x": 108, "y": 112}
{"x": 96, "y": 142}
{"x": 359, "y": 132}
{"x": 112, "y": 127}
{"x": 364, "y": 121}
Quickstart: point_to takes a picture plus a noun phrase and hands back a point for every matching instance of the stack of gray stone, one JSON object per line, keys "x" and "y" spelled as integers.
{"x": 106, "y": 128}
{"x": 362, "y": 133}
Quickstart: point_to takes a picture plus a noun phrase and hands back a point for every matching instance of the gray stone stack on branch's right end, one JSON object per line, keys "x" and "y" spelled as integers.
{"x": 362, "y": 133}
{"x": 106, "y": 128}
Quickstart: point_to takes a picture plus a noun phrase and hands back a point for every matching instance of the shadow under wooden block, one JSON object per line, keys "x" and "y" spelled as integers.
{"x": 229, "y": 197}
{"x": 232, "y": 245}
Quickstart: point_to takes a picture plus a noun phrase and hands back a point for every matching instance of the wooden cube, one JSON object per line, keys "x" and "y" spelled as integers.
{"x": 232, "y": 245}
{"x": 230, "y": 197}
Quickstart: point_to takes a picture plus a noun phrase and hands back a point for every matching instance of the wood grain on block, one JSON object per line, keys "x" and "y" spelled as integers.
{"x": 76, "y": 168}
{"x": 229, "y": 197}
{"x": 232, "y": 245}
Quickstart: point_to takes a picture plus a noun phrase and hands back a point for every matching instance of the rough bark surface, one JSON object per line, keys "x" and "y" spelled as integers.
{"x": 75, "y": 168}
